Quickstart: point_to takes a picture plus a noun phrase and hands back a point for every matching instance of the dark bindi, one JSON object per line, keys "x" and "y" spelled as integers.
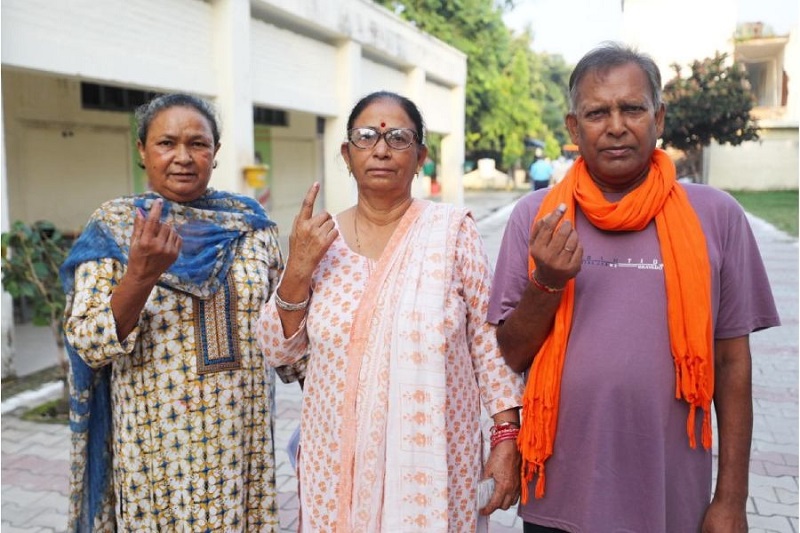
{"x": 383, "y": 124}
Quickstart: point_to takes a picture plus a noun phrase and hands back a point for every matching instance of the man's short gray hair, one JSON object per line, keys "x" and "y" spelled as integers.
{"x": 609, "y": 55}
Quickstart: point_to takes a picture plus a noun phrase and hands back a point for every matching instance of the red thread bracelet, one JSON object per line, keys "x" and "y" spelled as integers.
{"x": 542, "y": 287}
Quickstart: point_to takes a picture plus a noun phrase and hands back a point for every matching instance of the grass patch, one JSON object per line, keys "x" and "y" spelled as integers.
{"x": 15, "y": 385}
{"x": 54, "y": 411}
{"x": 51, "y": 412}
{"x": 779, "y": 208}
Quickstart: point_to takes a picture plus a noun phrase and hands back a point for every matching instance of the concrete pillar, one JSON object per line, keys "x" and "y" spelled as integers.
{"x": 415, "y": 90}
{"x": 415, "y": 85}
{"x": 234, "y": 93}
{"x": 451, "y": 172}
{"x": 7, "y": 315}
{"x": 339, "y": 189}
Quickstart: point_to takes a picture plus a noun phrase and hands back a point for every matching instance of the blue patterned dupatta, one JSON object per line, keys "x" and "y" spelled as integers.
{"x": 211, "y": 228}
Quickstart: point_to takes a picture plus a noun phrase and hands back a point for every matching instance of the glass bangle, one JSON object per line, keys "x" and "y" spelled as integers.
{"x": 287, "y": 306}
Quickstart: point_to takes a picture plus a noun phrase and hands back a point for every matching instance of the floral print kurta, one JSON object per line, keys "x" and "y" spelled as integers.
{"x": 473, "y": 373}
{"x": 192, "y": 440}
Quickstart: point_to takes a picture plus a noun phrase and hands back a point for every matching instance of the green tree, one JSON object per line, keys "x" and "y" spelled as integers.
{"x": 511, "y": 92}
{"x": 713, "y": 102}
{"x": 514, "y": 114}
{"x": 549, "y": 89}
{"x": 31, "y": 257}
{"x": 554, "y": 93}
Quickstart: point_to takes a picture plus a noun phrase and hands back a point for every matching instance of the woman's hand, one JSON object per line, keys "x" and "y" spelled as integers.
{"x": 504, "y": 466}
{"x": 310, "y": 239}
{"x": 154, "y": 246}
{"x": 555, "y": 249}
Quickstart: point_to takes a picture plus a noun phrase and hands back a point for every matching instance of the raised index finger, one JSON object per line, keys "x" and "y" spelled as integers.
{"x": 307, "y": 209}
{"x": 556, "y": 215}
{"x": 550, "y": 221}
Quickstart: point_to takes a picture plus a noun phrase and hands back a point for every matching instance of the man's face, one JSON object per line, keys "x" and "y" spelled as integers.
{"x": 616, "y": 126}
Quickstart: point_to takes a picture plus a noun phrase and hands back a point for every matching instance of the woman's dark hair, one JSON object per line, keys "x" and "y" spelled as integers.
{"x": 408, "y": 106}
{"x": 609, "y": 55}
{"x": 145, "y": 113}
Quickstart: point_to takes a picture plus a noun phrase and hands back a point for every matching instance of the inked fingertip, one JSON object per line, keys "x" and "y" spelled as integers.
{"x": 562, "y": 207}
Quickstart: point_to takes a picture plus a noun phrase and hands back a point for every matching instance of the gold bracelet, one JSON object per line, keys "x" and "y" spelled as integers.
{"x": 542, "y": 287}
{"x": 287, "y": 306}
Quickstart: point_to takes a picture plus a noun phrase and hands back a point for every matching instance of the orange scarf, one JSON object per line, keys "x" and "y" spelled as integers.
{"x": 688, "y": 288}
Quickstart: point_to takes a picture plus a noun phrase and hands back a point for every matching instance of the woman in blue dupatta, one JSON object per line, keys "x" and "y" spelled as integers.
{"x": 171, "y": 399}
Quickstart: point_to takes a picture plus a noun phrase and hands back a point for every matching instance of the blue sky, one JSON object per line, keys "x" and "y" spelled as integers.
{"x": 573, "y": 27}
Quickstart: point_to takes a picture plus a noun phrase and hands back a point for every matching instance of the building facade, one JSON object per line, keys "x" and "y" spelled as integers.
{"x": 283, "y": 75}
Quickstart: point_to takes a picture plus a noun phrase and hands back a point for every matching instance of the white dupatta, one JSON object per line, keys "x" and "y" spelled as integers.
{"x": 393, "y": 441}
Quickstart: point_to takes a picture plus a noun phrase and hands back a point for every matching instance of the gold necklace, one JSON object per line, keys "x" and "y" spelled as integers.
{"x": 358, "y": 245}
{"x": 355, "y": 227}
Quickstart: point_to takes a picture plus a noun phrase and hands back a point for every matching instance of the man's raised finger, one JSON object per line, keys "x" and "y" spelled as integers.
{"x": 548, "y": 223}
{"x": 552, "y": 218}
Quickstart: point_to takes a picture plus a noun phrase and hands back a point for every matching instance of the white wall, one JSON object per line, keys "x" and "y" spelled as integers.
{"x": 379, "y": 31}
{"x": 62, "y": 161}
{"x": 769, "y": 163}
{"x": 295, "y": 166}
{"x": 376, "y": 76}
{"x": 144, "y": 43}
{"x": 289, "y": 69}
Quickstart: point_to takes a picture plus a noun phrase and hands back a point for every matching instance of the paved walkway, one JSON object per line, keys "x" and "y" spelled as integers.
{"x": 35, "y": 457}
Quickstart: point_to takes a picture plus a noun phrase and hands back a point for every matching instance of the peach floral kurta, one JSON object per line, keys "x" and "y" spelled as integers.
{"x": 401, "y": 359}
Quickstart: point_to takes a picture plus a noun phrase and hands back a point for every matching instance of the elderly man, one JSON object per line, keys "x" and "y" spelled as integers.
{"x": 628, "y": 299}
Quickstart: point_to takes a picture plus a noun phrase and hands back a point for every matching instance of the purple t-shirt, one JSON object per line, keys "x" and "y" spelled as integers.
{"x": 622, "y": 461}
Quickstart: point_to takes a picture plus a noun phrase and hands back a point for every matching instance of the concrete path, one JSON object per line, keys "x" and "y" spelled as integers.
{"x": 35, "y": 457}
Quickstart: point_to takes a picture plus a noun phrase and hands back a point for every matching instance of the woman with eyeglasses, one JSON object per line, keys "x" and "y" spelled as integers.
{"x": 389, "y": 298}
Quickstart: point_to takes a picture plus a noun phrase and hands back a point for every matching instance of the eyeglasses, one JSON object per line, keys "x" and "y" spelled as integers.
{"x": 396, "y": 138}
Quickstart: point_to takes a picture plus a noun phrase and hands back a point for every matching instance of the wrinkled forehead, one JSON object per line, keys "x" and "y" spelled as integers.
{"x": 626, "y": 81}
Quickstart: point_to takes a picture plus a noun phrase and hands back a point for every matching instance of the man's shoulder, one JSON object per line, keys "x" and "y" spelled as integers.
{"x": 528, "y": 206}
{"x": 706, "y": 196}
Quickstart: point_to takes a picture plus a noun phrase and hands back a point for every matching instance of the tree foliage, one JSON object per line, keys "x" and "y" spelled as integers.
{"x": 510, "y": 95}
{"x": 31, "y": 257}
{"x": 713, "y": 102}
{"x": 549, "y": 87}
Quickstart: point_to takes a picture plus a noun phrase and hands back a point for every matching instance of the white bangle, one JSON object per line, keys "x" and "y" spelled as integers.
{"x": 286, "y": 306}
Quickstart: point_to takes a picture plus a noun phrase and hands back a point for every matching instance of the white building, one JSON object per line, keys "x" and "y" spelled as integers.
{"x": 681, "y": 31}
{"x": 283, "y": 74}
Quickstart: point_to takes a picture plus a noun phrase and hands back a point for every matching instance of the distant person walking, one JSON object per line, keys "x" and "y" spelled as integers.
{"x": 541, "y": 171}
